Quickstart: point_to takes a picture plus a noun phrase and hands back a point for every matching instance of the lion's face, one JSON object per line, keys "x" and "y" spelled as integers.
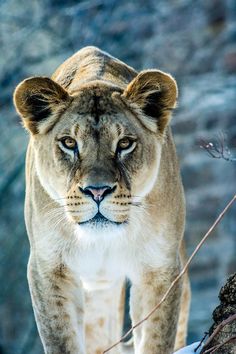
{"x": 98, "y": 160}
{"x": 96, "y": 153}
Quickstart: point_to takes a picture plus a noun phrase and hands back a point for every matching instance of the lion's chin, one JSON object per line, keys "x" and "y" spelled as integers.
{"x": 100, "y": 231}
{"x": 100, "y": 220}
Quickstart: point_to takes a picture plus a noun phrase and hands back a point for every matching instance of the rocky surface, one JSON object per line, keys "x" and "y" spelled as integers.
{"x": 193, "y": 40}
{"x": 225, "y": 337}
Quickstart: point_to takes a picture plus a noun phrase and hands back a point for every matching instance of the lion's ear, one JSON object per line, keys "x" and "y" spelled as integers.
{"x": 39, "y": 101}
{"x": 154, "y": 93}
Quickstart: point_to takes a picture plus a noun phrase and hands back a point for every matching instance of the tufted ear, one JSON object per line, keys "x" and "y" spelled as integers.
{"x": 39, "y": 101}
{"x": 154, "y": 93}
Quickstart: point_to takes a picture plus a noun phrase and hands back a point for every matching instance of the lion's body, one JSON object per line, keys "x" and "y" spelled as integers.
{"x": 77, "y": 269}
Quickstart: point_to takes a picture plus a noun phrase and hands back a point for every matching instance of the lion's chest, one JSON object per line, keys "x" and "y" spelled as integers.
{"x": 102, "y": 257}
{"x": 99, "y": 269}
{"x": 105, "y": 257}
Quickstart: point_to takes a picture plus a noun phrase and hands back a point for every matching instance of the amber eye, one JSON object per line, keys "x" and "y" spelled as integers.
{"x": 124, "y": 144}
{"x": 69, "y": 143}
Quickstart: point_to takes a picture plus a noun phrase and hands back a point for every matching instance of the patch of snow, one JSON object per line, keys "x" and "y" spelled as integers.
{"x": 189, "y": 349}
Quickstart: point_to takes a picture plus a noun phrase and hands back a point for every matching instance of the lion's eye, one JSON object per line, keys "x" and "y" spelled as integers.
{"x": 124, "y": 144}
{"x": 69, "y": 143}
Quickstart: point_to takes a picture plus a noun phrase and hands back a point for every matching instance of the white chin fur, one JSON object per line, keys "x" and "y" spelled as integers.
{"x": 99, "y": 233}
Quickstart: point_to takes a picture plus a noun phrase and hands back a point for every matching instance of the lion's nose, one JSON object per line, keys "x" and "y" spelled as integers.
{"x": 98, "y": 192}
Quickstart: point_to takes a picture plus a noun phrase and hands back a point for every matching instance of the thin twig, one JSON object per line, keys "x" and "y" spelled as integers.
{"x": 218, "y": 329}
{"x": 202, "y": 340}
{"x": 218, "y": 346}
{"x": 175, "y": 281}
{"x": 217, "y": 148}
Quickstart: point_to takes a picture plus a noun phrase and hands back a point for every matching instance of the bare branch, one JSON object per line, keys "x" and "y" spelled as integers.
{"x": 176, "y": 280}
{"x": 230, "y": 319}
{"x": 216, "y": 347}
{"x": 201, "y": 342}
{"x": 217, "y": 148}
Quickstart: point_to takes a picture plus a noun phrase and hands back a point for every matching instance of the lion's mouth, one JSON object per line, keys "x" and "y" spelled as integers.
{"x": 100, "y": 219}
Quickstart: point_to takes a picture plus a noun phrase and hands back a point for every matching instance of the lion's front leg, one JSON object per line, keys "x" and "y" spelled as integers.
{"x": 157, "y": 334}
{"x": 104, "y": 318}
{"x": 58, "y": 308}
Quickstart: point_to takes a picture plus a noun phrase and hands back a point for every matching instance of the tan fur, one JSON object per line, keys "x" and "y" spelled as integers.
{"x": 78, "y": 263}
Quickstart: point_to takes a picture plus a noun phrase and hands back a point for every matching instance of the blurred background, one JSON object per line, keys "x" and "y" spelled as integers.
{"x": 194, "y": 40}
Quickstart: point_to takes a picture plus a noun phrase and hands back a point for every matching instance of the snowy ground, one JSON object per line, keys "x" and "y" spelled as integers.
{"x": 189, "y": 349}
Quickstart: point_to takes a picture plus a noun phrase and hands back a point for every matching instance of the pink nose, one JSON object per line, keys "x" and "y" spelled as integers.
{"x": 97, "y": 193}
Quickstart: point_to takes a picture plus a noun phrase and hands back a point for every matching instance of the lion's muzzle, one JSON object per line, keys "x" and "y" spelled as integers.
{"x": 98, "y": 193}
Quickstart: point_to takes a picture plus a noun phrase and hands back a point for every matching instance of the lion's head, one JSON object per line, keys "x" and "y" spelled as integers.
{"x": 97, "y": 150}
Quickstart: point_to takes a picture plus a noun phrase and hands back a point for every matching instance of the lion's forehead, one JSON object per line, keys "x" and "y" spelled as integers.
{"x": 87, "y": 125}
{"x": 95, "y": 100}
{"x": 94, "y": 112}
{"x": 108, "y": 127}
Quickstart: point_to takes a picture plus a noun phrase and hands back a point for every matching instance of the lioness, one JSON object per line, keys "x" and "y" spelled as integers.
{"x": 104, "y": 202}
